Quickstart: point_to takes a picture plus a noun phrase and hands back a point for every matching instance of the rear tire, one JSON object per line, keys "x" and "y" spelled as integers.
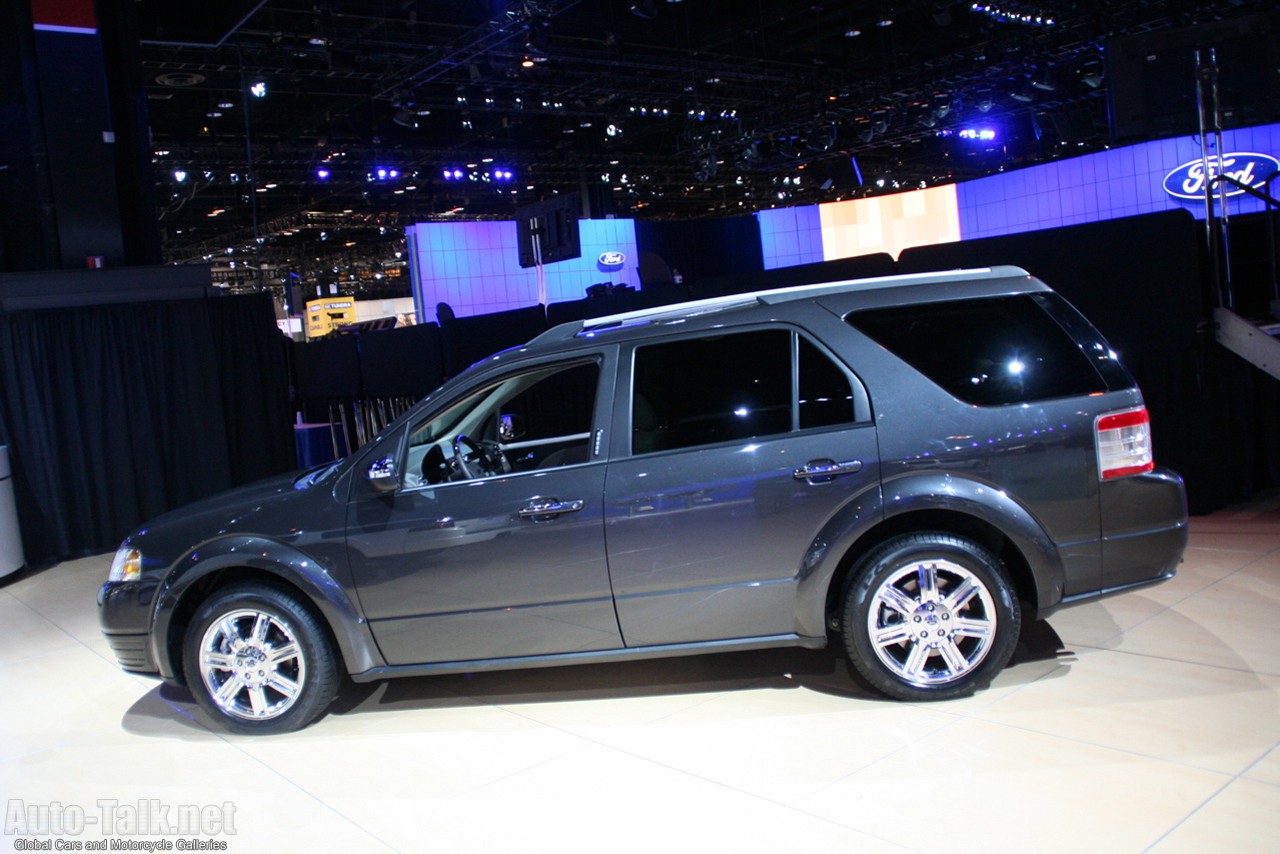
{"x": 930, "y": 616}
{"x": 259, "y": 661}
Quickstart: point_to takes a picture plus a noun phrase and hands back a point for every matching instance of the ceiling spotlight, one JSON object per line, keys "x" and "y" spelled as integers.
{"x": 642, "y": 9}
{"x": 1043, "y": 80}
{"x": 536, "y": 38}
{"x": 258, "y": 89}
{"x": 852, "y": 33}
{"x": 179, "y": 175}
{"x": 322, "y": 173}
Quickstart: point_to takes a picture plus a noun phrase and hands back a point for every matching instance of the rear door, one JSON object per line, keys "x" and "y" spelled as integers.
{"x": 731, "y": 452}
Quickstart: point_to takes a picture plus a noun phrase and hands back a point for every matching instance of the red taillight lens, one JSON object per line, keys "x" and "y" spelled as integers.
{"x": 1124, "y": 443}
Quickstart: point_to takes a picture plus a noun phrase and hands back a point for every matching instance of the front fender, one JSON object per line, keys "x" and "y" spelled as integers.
{"x": 274, "y": 559}
{"x": 926, "y": 492}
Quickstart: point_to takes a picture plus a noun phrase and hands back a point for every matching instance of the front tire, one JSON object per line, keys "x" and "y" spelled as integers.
{"x": 259, "y": 661}
{"x": 930, "y": 616}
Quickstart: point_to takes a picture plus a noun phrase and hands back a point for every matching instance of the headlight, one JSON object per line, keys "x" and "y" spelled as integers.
{"x": 127, "y": 565}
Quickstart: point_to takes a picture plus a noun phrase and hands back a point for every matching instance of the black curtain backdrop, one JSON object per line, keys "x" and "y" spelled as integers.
{"x": 118, "y": 413}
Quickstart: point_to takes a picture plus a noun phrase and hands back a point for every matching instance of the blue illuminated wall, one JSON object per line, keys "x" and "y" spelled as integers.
{"x": 790, "y": 236}
{"x": 474, "y": 266}
{"x": 1107, "y": 185}
{"x": 1110, "y": 184}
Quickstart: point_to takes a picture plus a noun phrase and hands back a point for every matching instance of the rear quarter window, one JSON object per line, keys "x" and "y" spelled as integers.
{"x": 989, "y": 351}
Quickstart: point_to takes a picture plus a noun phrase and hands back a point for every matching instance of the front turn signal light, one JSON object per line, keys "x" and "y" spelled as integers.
{"x": 127, "y": 565}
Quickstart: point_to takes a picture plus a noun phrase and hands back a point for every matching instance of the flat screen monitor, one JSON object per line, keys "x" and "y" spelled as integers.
{"x": 548, "y": 231}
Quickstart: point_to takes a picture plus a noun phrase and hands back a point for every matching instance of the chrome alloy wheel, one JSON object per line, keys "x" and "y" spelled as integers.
{"x": 252, "y": 665}
{"x": 931, "y": 622}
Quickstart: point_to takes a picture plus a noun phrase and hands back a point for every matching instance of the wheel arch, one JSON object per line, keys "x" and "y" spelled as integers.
{"x": 214, "y": 566}
{"x": 953, "y": 505}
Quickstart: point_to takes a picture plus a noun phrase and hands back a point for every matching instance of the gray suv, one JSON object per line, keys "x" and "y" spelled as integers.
{"x": 901, "y": 465}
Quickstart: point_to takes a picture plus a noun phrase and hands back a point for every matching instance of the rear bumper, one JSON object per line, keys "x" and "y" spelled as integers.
{"x": 1144, "y": 528}
{"x": 1144, "y": 525}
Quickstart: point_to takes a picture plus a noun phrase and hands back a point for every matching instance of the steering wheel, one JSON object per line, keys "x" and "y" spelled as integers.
{"x": 486, "y": 458}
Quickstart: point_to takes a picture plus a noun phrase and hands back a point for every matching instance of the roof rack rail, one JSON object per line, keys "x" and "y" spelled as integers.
{"x": 774, "y": 296}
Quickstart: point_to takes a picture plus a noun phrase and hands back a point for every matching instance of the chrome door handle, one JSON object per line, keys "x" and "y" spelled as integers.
{"x": 824, "y": 471}
{"x": 540, "y": 507}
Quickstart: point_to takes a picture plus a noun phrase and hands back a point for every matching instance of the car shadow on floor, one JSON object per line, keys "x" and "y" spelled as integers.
{"x": 172, "y": 712}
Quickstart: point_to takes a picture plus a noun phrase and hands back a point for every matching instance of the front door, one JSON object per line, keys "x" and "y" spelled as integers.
{"x": 493, "y": 547}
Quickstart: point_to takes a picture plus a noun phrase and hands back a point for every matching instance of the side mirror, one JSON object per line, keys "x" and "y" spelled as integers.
{"x": 383, "y": 476}
{"x": 510, "y": 428}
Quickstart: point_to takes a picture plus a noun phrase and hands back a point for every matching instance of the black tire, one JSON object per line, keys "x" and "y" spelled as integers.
{"x": 259, "y": 661}
{"x": 931, "y": 645}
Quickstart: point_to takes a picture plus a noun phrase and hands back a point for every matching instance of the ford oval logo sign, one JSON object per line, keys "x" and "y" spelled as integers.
{"x": 1247, "y": 167}
{"x": 612, "y": 259}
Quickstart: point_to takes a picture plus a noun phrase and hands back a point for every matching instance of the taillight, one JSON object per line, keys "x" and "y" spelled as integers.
{"x": 1124, "y": 443}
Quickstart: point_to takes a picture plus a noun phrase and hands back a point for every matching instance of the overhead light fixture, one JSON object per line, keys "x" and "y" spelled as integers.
{"x": 1043, "y": 79}
{"x": 406, "y": 119}
{"x": 1015, "y": 13}
{"x": 643, "y": 9}
{"x": 258, "y": 89}
{"x": 179, "y": 175}
{"x": 1091, "y": 75}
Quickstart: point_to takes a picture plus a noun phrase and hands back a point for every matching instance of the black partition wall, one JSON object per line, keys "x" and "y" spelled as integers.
{"x": 117, "y": 413}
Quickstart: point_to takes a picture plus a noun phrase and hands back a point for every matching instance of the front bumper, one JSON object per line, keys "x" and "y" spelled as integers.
{"x": 124, "y": 612}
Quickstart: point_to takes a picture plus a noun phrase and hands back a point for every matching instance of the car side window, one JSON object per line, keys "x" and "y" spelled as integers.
{"x": 826, "y": 395}
{"x": 536, "y": 419}
{"x": 989, "y": 351}
{"x": 700, "y": 391}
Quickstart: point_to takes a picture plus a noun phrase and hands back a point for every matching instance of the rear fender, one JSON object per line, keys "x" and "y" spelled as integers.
{"x": 920, "y": 493}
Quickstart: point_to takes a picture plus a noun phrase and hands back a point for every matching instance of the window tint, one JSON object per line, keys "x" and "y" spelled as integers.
{"x": 985, "y": 351}
{"x": 826, "y": 398}
{"x": 706, "y": 390}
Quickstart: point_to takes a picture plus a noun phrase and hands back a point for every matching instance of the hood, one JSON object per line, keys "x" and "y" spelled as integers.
{"x": 244, "y": 509}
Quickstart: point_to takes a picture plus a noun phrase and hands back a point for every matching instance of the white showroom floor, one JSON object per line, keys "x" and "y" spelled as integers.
{"x": 1149, "y": 721}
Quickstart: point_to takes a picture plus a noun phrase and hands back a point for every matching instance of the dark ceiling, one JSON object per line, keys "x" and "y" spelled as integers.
{"x": 654, "y": 109}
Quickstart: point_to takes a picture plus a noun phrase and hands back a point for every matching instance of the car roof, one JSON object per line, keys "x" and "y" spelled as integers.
{"x": 880, "y": 290}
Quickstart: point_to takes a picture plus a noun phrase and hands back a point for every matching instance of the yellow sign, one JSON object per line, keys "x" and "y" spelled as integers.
{"x": 326, "y": 315}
